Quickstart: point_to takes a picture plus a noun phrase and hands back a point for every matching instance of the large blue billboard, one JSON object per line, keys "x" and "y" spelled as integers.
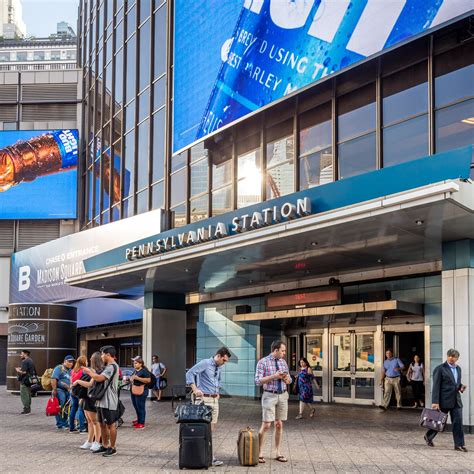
{"x": 231, "y": 58}
{"x": 38, "y": 174}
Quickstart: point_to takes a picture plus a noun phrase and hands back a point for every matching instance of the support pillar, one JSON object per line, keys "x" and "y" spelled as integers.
{"x": 458, "y": 314}
{"x": 164, "y": 334}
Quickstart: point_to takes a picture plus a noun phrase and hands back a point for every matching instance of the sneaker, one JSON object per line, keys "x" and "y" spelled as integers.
{"x": 95, "y": 446}
{"x": 139, "y": 426}
{"x": 382, "y": 407}
{"x": 61, "y": 428}
{"x": 83, "y": 431}
{"x": 25, "y": 412}
{"x": 110, "y": 452}
{"x": 74, "y": 431}
{"x": 86, "y": 445}
{"x": 135, "y": 422}
{"x": 100, "y": 449}
{"x": 215, "y": 462}
{"x": 299, "y": 416}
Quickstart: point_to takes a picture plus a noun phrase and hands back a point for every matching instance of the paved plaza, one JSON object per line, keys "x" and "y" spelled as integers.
{"x": 338, "y": 439}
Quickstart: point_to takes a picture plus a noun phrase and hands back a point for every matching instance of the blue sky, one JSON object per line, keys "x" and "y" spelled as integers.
{"x": 41, "y": 16}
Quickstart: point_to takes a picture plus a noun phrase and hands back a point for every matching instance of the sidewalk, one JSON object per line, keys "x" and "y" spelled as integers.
{"x": 339, "y": 439}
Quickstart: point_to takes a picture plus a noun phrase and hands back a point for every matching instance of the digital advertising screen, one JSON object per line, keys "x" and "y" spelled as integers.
{"x": 232, "y": 58}
{"x": 38, "y": 174}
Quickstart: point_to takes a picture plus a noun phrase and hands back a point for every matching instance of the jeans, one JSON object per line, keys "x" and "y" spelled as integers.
{"x": 138, "y": 402}
{"x": 62, "y": 397}
{"x": 456, "y": 420}
{"x": 76, "y": 409}
{"x": 25, "y": 395}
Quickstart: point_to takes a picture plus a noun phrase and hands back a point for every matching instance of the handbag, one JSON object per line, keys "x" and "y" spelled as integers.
{"x": 163, "y": 383}
{"x": 433, "y": 419}
{"x": 98, "y": 389}
{"x": 191, "y": 413}
{"x": 52, "y": 407}
{"x": 80, "y": 391}
{"x": 138, "y": 389}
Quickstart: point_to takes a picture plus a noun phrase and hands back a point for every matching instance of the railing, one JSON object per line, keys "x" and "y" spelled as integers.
{"x": 38, "y": 67}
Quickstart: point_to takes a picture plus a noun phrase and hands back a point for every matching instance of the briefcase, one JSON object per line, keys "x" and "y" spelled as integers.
{"x": 433, "y": 419}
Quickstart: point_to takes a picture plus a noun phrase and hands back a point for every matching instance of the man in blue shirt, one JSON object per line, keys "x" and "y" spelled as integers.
{"x": 205, "y": 380}
{"x": 61, "y": 382}
{"x": 392, "y": 371}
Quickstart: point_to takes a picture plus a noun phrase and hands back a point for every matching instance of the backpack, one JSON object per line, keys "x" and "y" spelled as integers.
{"x": 152, "y": 383}
{"x": 46, "y": 380}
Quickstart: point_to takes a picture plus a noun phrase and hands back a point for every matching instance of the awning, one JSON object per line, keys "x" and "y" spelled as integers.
{"x": 384, "y": 307}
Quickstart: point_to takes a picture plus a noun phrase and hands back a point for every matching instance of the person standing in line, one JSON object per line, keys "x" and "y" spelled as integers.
{"x": 305, "y": 388}
{"x": 107, "y": 407}
{"x": 159, "y": 370}
{"x": 446, "y": 396}
{"x": 90, "y": 411}
{"x": 273, "y": 374}
{"x": 61, "y": 383}
{"x": 391, "y": 375}
{"x": 24, "y": 372}
{"x": 416, "y": 376}
{"x": 204, "y": 378}
{"x": 139, "y": 391}
{"x": 76, "y": 373}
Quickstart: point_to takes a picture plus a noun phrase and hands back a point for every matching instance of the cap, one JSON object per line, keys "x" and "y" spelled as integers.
{"x": 69, "y": 357}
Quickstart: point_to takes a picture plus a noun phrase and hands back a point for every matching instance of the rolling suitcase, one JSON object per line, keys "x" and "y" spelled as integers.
{"x": 247, "y": 447}
{"x": 195, "y": 445}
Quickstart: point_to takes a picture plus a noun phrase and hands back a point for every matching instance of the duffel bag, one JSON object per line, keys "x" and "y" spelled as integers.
{"x": 190, "y": 413}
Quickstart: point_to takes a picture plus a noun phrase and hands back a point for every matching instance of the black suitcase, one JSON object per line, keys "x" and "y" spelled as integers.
{"x": 195, "y": 445}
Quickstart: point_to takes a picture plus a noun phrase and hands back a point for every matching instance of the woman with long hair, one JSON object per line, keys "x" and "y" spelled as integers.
{"x": 139, "y": 391}
{"x": 93, "y": 438}
{"x": 76, "y": 373}
{"x": 305, "y": 387}
{"x": 416, "y": 376}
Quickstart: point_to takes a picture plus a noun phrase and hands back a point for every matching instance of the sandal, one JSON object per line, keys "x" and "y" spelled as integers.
{"x": 261, "y": 460}
{"x": 281, "y": 458}
{"x": 313, "y": 411}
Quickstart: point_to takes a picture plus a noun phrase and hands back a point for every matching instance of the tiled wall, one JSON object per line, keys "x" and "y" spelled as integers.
{"x": 215, "y": 328}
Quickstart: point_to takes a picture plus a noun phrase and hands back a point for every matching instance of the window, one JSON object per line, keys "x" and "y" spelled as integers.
{"x": 129, "y": 164}
{"x": 179, "y": 161}
{"x": 142, "y": 202}
{"x": 222, "y": 201}
{"x": 249, "y": 171}
{"x": 144, "y": 105}
{"x": 118, "y": 90}
{"x": 160, "y": 41}
{"x": 21, "y": 56}
{"x": 131, "y": 66}
{"x": 199, "y": 208}
{"x": 128, "y": 207}
{"x": 316, "y": 157}
{"x": 55, "y": 55}
{"x": 199, "y": 177}
{"x": 145, "y": 9}
{"x": 131, "y": 20}
{"x": 145, "y": 41}
{"x": 356, "y": 128}
{"x": 280, "y": 178}
{"x": 38, "y": 55}
{"x": 158, "y": 195}
{"x": 159, "y": 93}
{"x": 454, "y": 126}
{"x": 5, "y": 57}
{"x": 119, "y": 35}
{"x": 130, "y": 116}
{"x": 158, "y": 145}
{"x": 405, "y": 97}
{"x": 178, "y": 187}
{"x": 143, "y": 154}
{"x": 178, "y": 214}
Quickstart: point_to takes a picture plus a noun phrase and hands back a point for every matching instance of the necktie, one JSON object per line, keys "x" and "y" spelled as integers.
{"x": 279, "y": 381}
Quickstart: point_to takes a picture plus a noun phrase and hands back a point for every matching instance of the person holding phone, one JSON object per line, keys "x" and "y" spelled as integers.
{"x": 446, "y": 396}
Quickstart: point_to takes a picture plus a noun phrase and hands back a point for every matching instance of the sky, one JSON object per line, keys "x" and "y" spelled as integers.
{"x": 41, "y": 16}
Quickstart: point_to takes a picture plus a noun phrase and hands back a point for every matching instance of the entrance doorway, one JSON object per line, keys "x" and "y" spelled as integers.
{"x": 353, "y": 367}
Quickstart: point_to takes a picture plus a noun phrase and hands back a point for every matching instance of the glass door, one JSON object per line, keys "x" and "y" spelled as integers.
{"x": 315, "y": 356}
{"x": 353, "y": 368}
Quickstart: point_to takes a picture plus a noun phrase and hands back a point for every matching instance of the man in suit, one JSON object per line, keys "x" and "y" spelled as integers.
{"x": 446, "y": 396}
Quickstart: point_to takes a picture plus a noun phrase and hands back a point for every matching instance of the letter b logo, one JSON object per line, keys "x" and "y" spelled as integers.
{"x": 24, "y": 278}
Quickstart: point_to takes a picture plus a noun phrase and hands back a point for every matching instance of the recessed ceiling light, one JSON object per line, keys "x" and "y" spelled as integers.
{"x": 243, "y": 258}
{"x": 186, "y": 270}
{"x": 419, "y": 222}
{"x": 469, "y": 120}
{"x": 380, "y": 260}
{"x": 250, "y": 281}
{"x": 314, "y": 244}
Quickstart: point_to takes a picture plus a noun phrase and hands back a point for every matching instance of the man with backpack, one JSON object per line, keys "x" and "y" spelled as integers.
{"x": 61, "y": 384}
{"x": 107, "y": 403}
{"x": 25, "y": 372}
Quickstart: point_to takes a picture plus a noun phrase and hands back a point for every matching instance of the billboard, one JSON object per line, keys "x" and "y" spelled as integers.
{"x": 38, "y": 174}
{"x": 231, "y": 58}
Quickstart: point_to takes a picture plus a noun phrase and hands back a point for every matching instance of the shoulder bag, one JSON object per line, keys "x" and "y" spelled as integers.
{"x": 98, "y": 389}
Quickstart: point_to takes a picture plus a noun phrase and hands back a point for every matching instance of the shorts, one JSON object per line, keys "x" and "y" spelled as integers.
{"x": 109, "y": 417}
{"x": 212, "y": 402}
{"x": 88, "y": 405}
{"x": 274, "y": 407}
{"x": 157, "y": 385}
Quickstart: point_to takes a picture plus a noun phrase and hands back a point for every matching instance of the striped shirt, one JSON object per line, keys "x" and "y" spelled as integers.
{"x": 268, "y": 366}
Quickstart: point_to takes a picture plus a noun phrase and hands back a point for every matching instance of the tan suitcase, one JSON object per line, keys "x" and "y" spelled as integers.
{"x": 247, "y": 447}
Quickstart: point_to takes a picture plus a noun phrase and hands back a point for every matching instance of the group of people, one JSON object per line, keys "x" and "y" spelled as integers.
{"x": 204, "y": 378}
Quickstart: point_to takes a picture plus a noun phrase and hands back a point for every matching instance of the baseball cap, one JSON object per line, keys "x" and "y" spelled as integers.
{"x": 69, "y": 357}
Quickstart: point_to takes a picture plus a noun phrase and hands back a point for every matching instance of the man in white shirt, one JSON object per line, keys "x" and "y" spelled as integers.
{"x": 159, "y": 370}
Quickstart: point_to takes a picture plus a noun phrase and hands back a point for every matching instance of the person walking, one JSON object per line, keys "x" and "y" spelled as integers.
{"x": 159, "y": 370}
{"x": 391, "y": 375}
{"x": 204, "y": 378}
{"x": 108, "y": 406}
{"x": 90, "y": 411}
{"x": 272, "y": 373}
{"x": 446, "y": 396}
{"x": 61, "y": 383}
{"x": 139, "y": 391}
{"x": 305, "y": 388}
{"x": 76, "y": 373}
{"x": 416, "y": 376}
{"x": 24, "y": 372}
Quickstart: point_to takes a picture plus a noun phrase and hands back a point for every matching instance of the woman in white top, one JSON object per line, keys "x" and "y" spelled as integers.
{"x": 417, "y": 378}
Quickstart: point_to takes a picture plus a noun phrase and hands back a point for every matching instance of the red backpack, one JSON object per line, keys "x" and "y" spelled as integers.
{"x": 52, "y": 407}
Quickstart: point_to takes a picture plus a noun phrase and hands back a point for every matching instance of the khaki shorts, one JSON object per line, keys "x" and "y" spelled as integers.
{"x": 212, "y": 402}
{"x": 274, "y": 407}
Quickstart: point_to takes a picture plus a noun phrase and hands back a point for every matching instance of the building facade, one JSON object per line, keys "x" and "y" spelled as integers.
{"x": 12, "y": 25}
{"x": 338, "y": 217}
